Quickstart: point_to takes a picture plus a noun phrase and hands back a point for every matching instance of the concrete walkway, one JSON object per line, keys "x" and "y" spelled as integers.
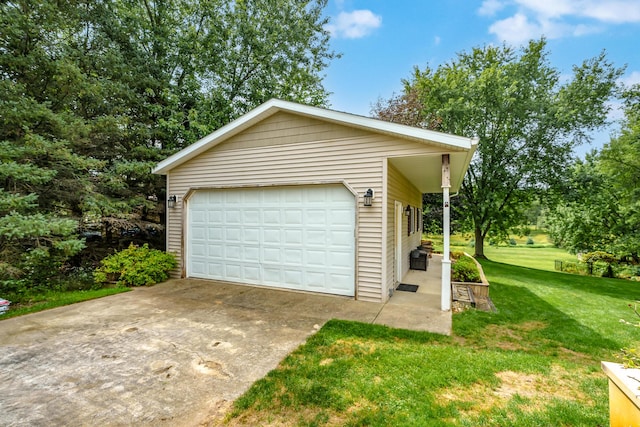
{"x": 174, "y": 354}
{"x": 419, "y": 311}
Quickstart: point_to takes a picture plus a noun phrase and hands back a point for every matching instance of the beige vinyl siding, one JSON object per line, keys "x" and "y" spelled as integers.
{"x": 287, "y": 149}
{"x": 399, "y": 189}
{"x": 279, "y": 127}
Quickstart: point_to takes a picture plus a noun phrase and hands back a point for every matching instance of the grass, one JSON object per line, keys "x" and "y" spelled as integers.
{"x": 542, "y": 255}
{"x": 535, "y": 362}
{"x": 52, "y": 299}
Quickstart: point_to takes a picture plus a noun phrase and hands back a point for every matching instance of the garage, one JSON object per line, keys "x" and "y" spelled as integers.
{"x": 293, "y": 237}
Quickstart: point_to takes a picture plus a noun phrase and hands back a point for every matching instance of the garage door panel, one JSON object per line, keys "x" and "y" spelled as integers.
{"x": 342, "y": 239}
{"x": 233, "y": 252}
{"x": 215, "y": 270}
{"x": 214, "y": 234}
{"x": 292, "y": 256}
{"x": 292, "y": 217}
{"x": 340, "y": 282}
{"x": 232, "y": 271}
{"x": 233, "y": 234}
{"x": 317, "y": 218}
{"x": 233, "y": 198}
{"x": 338, "y": 259}
{"x": 251, "y": 217}
{"x": 198, "y": 249}
{"x": 316, "y": 258}
{"x": 251, "y": 254}
{"x": 315, "y": 238}
{"x": 290, "y": 237}
{"x": 232, "y": 216}
{"x": 271, "y": 255}
{"x": 271, "y": 275}
{"x": 215, "y": 216}
{"x": 251, "y": 236}
{"x": 199, "y": 216}
{"x": 198, "y": 267}
{"x": 251, "y": 274}
{"x": 271, "y": 217}
{"x": 293, "y": 278}
{"x": 271, "y": 236}
{"x": 316, "y": 279}
{"x": 342, "y": 217}
{"x": 214, "y": 251}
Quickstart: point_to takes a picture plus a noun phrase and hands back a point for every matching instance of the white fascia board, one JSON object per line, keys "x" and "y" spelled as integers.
{"x": 214, "y": 138}
{"x": 457, "y": 143}
{"x": 467, "y": 161}
{"x": 368, "y": 123}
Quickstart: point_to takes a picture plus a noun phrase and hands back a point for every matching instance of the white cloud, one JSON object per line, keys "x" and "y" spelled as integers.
{"x": 631, "y": 79}
{"x": 354, "y": 25}
{"x": 549, "y": 9}
{"x": 558, "y": 18}
{"x": 515, "y": 30}
{"x": 490, "y": 7}
{"x": 616, "y": 12}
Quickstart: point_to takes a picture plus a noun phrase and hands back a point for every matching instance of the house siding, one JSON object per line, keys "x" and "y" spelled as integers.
{"x": 287, "y": 149}
{"x": 401, "y": 190}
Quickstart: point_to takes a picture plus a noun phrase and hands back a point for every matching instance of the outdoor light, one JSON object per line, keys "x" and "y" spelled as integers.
{"x": 171, "y": 201}
{"x": 368, "y": 197}
{"x": 407, "y": 210}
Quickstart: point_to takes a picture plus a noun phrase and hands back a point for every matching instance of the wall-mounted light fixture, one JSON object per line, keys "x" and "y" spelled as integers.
{"x": 171, "y": 201}
{"x": 368, "y": 197}
{"x": 407, "y": 210}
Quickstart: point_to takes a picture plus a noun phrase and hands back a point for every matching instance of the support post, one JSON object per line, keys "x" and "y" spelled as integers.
{"x": 445, "y": 302}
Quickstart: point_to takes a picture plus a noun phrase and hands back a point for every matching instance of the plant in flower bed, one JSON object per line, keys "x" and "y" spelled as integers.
{"x": 630, "y": 356}
{"x": 136, "y": 266}
{"x": 463, "y": 268}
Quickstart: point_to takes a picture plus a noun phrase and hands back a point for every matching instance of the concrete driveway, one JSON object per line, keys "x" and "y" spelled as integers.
{"x": 175, "y": 354}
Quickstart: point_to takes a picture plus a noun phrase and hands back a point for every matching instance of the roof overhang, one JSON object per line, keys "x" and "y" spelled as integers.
{"x": 425, "y": 172}
{"x": 460, "y": 148}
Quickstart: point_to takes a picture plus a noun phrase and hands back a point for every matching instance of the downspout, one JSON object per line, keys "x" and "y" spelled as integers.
{"x": 445, "y": 302}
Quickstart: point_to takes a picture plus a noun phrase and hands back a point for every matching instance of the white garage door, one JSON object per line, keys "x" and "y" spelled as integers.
{"x": 298, "y": 237}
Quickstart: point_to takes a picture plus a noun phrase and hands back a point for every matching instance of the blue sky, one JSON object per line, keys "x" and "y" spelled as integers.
{"x": 383, "y": 40}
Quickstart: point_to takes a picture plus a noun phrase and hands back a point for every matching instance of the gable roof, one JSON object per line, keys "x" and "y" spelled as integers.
{"x": 447, "y": 141}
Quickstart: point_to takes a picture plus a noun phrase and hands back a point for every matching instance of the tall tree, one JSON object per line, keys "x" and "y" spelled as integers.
{"x": 601, "y": 209}
{"x": 93, "y": 93}
{"x": 527, "y": 118}
{"x": 186, "y": 68}
{"x": 43, "y": 182}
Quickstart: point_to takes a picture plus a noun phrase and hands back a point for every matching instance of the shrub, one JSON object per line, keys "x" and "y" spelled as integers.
{"x": 598, "y": 256}
{"x": 512, "y": 242}
{"x": 136, "y": 266}
{"x": 464, "y": 269}
{"x": 530, "y": 241}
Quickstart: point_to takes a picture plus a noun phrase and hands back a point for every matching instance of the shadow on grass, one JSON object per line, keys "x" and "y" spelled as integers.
{"x": 527, "y": 322}
{"x": 616, "y": 288}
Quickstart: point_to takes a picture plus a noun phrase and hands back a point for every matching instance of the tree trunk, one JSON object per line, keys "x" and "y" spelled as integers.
{"x": 479, "y": 245}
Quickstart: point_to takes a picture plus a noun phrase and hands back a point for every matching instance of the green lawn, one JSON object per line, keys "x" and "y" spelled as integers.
{"x": 52, "y": 299}
{"x": 536, "y": 362}
{"x": 542, "y": 255}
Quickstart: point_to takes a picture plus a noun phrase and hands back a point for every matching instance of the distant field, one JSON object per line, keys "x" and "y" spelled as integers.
{"x": 540, "y": 255}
